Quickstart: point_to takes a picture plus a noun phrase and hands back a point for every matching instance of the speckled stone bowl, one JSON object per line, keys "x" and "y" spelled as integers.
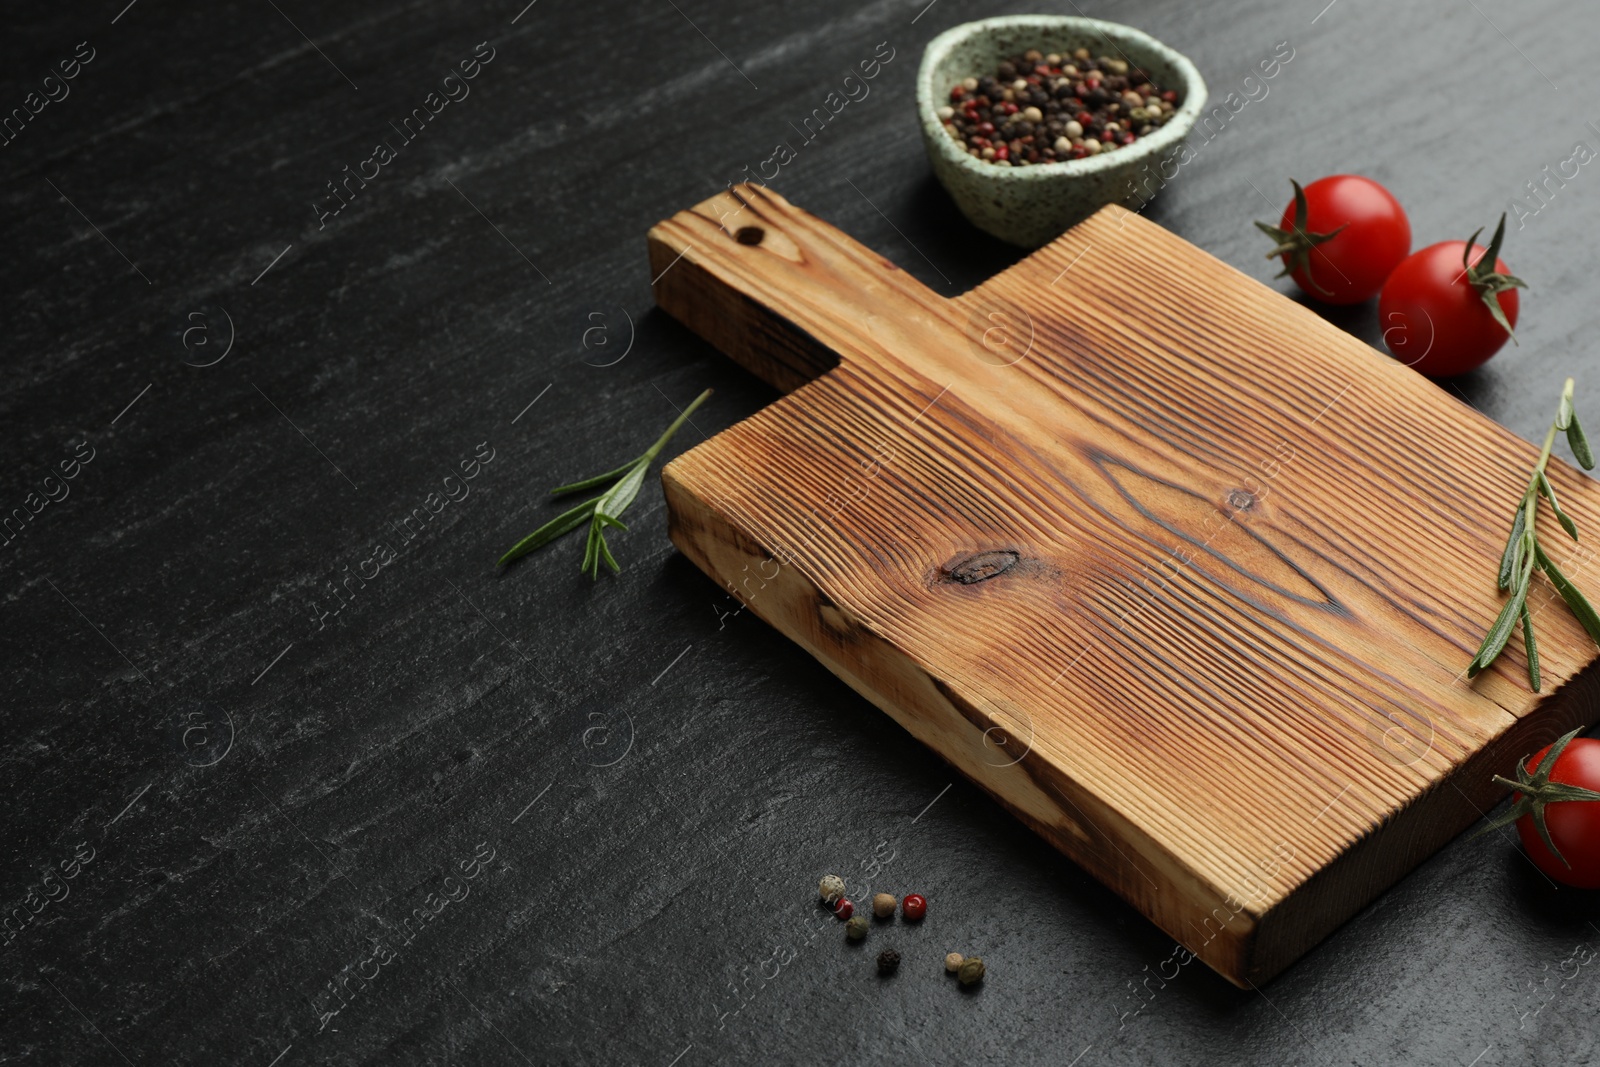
{"x": 1029, "y": 206}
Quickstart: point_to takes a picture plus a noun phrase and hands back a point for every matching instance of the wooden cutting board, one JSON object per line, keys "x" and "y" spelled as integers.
{"x": 1185, "y": 577}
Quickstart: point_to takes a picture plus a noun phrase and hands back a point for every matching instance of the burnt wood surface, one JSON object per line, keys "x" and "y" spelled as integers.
{"x": 1211, "y": 681}
{"x": 257, "y": 784}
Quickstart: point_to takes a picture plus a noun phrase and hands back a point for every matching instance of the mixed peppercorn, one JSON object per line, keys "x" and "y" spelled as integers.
{"x": 1053, "y": 108}
{"x": 914, "y": 908}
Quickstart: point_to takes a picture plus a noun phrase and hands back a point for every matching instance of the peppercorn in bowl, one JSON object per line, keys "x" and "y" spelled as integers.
{"x": 1034, "y": 122}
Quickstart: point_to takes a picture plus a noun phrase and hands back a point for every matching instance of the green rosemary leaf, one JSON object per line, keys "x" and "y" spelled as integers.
{"x": 605, "y": 554}
{"x": 1575, "y": 600}
{"x": 1511, "y": 558}
{"x": 1555, "y": 505}
{"x": 597, "y": 480}
{"x": 1495, "y": 641}
{"x": 616, "y": 499}
{"x": 1564, "y": 412}
{"x": 1579, "y": 444}
{"x": 561, "y": 524}
{"x": 1531, "y": 646}
{"x": 597, "y": 550}
{"x": 591, "y": 551}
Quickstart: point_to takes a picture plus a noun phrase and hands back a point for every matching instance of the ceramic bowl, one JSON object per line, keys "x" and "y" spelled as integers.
{"x": 1029, "y": 206}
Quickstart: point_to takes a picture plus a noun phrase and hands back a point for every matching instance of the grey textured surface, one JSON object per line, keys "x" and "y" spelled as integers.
{"x": 270, "y": 795}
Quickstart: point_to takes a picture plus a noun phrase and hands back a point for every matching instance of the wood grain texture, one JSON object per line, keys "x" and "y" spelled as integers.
{"x": 1184, "y": 576}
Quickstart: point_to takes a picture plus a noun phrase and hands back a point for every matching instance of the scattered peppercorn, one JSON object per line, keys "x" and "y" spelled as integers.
{"x": 844, "y": 909}
{"x": 953, "y": 961}
{"x": 856, "y": 928}
{"x": 831, "y": 888}
{"x": 888, "y": 961}
{"x": 915, "y": 907}
{"x": 883, "y": 905}
{"x": 1053, "y": 109}
{"x": 971, "y": 972}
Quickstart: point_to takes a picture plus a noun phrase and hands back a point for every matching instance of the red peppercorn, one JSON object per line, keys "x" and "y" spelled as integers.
{"x": 1170, "y": 96}
{"x": 914, "y": 906}
{"x": 1078, "y": 152}
{"x": 1002, "y": 152}
{"x": 1084, "y": 118}
{"x": 1009, "y": 108}
{"x": 1128, "y": 137}
{"x": 1108, "y": 136}
{"x": 986, "y": 128}
{"x": 844, "y": 909}
{"x": 958, "y": 92}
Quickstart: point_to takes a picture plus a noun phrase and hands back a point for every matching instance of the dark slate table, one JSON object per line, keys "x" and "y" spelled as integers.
{"x": 231, "y": 793}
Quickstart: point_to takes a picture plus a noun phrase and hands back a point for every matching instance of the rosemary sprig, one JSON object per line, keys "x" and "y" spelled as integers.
{"x": 1523, "y": 552}
{"x": 604, "y": 510}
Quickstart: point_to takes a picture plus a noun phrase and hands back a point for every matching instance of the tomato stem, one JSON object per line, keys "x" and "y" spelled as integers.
{"x": 1489, "y": 282}
{"x": 1536, "y": 790}
{"x": 1295, "y": 243}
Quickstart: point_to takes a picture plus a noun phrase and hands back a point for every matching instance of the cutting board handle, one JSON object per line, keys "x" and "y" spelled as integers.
{"x": 783, "y": 293}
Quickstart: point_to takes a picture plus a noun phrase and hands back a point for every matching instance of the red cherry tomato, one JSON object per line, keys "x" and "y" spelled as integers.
{"x": 1341, "y": 237}
{"x": 1574, "y": 825}
{"x": 1435, "y": 319}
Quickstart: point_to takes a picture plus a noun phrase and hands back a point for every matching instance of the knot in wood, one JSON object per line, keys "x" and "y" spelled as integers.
{"x": 980, "y": 567}
{"x": 1241, "y": 500}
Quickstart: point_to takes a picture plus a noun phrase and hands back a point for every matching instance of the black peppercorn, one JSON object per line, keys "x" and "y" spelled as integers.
{"x": 888, "y": 961}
